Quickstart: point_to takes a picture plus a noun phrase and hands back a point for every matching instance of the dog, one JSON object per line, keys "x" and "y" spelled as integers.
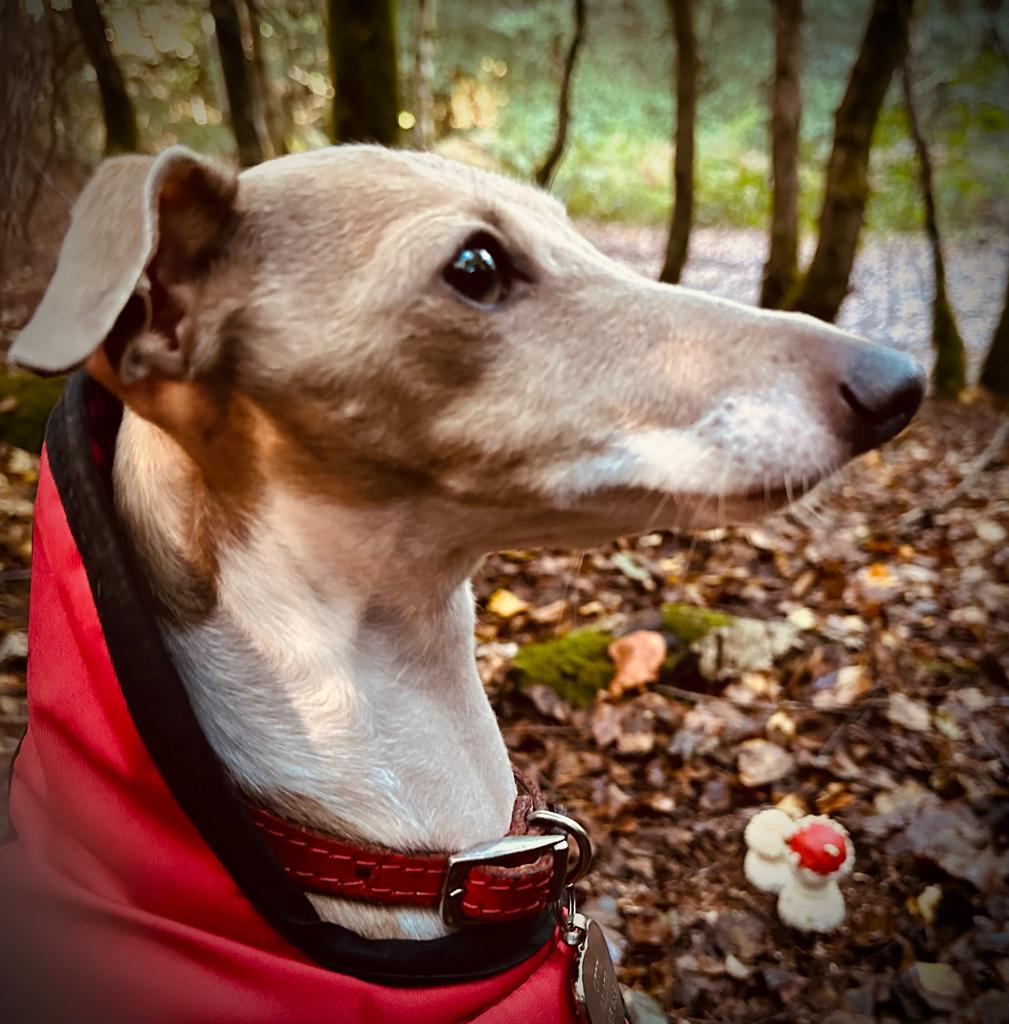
{"x": 345, "y": 376}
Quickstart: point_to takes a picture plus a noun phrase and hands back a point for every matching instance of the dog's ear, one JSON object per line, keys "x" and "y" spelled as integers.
{"x": 142, "y": 232}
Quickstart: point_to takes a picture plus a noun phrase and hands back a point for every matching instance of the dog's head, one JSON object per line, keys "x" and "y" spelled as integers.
{"x": 375, "y": 326}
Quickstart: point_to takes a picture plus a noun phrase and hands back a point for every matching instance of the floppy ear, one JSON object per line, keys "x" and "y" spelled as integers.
{"x": 141, "y": 230}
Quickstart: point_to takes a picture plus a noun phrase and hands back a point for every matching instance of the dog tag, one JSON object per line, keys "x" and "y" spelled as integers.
{"x": 597, "y": 991}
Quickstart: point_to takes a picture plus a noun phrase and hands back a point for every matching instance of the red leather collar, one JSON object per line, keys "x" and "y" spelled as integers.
{"x": 496, "y": 882}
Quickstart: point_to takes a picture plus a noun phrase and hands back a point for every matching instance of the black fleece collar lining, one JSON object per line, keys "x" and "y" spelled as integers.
{"x": 164, "y": 718}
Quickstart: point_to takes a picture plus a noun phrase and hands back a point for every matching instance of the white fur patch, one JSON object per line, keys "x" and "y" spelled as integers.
{"x": 746, "y": 442}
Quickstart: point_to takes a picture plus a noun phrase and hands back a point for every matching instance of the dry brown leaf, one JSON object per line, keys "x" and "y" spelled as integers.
{"x": 506, "y": 605}
{"x": 638, "y": 657}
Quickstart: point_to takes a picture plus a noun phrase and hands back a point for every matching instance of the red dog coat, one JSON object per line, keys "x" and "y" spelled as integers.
{"x": 136, "y": 888}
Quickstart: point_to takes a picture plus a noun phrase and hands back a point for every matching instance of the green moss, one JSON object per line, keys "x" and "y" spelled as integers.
{"x": 25, "y": 404}
{"x": 688, "y": 623}
{"x": 576, "y": 666}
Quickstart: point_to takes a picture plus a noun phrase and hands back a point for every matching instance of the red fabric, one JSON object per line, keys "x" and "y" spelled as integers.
{"x": 322, "y": 864}
{"x": 131, "y": 900}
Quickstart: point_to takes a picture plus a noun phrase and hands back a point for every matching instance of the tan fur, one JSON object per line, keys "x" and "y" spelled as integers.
{"x": 322, "y": 439}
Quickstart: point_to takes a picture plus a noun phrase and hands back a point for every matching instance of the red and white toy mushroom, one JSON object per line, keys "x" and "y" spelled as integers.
{"x": 765, "y": 865}
{"x": 819, "y": 853}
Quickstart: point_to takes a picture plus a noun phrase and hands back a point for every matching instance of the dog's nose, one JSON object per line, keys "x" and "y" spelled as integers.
{"x": 883, "y": 388}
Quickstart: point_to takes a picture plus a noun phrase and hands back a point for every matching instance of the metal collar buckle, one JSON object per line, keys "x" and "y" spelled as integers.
{"x": 500, "y": 853}
{"x": 503, "y": 852}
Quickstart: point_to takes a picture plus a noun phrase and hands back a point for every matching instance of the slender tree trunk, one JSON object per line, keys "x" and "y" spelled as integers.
{"x": 995, "y": 371}
{"x": 425, "y": 26}
{"x": 21, "y": 78}
{"x": 825, "y": 285}
{"x": 237, "y": 85}
{"x": 362, "y": 54}
{"x": 786, "y": 111}
{"x": 117, "y": 107}
{"x": 687, "y": 67}
{"x": 273, "y": 122}
{"x": 545, "y": 173}
{"x": 949, "y": 375}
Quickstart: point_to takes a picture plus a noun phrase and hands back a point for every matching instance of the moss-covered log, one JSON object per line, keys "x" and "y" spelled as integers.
{"x": 25, "y": 404}
{"x": 577, "y": 666}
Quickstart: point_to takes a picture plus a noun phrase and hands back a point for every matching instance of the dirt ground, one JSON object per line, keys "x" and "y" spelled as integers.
{"x": 890, "y": 710}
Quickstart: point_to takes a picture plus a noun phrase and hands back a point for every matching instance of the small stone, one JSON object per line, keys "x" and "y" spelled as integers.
{"x": 938, "y": 984}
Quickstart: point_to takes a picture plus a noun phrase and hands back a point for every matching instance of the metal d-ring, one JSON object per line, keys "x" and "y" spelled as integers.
{"x": 571, "y": 828}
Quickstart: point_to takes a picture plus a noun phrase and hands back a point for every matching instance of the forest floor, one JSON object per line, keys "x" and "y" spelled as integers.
{"x": 889, "y": 710}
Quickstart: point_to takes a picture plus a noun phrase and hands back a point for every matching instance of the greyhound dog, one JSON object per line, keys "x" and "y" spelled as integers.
{"x": 347, "y": 375}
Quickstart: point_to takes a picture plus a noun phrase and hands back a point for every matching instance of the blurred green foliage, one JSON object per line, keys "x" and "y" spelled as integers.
{"x": 497, "y": 74}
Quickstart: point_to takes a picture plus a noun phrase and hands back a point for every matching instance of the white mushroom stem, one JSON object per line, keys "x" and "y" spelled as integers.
{"x": 810, "y": 902}
{"x": 766, "y": 865}
{"x": 768, "y": 874}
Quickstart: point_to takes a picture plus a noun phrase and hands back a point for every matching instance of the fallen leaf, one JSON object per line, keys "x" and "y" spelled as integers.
{"x": 761, "y": 762}
{"x": 989, "y": 531}
{"x": 911, "y": 714}
{"x": 842, "y": 688}
{"x": 925, "y": 904}
{"x": 632, "y": 569}
{"x": 506, "y": 605}
{"x": 638, "y": 657}
{"x": 938, "y": 984}
{"x": 549, "y": 614}
{"x": 803, "y": 618}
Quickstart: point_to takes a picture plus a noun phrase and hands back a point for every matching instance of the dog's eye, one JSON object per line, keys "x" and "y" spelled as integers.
{"x": 480, "y": 271}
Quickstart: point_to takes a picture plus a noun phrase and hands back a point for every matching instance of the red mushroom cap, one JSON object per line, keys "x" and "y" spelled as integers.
{"x": 820, "y": 847}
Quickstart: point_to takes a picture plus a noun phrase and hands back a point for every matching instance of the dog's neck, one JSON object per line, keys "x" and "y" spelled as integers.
{"x": 334, "y": 673}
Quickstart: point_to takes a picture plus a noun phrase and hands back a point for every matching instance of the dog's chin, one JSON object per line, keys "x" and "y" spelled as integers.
{"x": 619, "y": 512}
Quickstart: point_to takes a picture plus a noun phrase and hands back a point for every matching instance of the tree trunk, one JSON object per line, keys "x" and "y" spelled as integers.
{"x": 423, "y": 73}
{"x": 236, "y": 81}
{"x": 687, "y": 67}
{"x": 273, "y": 121}
{"x": 362, "y": 54}
{"x": 21, "y": 79}
{"x": 786, "y": 111}
{"x": 995, "y": 372}
{"x": 949, "y": 375}
{"x": 825, "y": 285}
{"x": 117, "y": 107}
{"x": 545, "y": 173}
